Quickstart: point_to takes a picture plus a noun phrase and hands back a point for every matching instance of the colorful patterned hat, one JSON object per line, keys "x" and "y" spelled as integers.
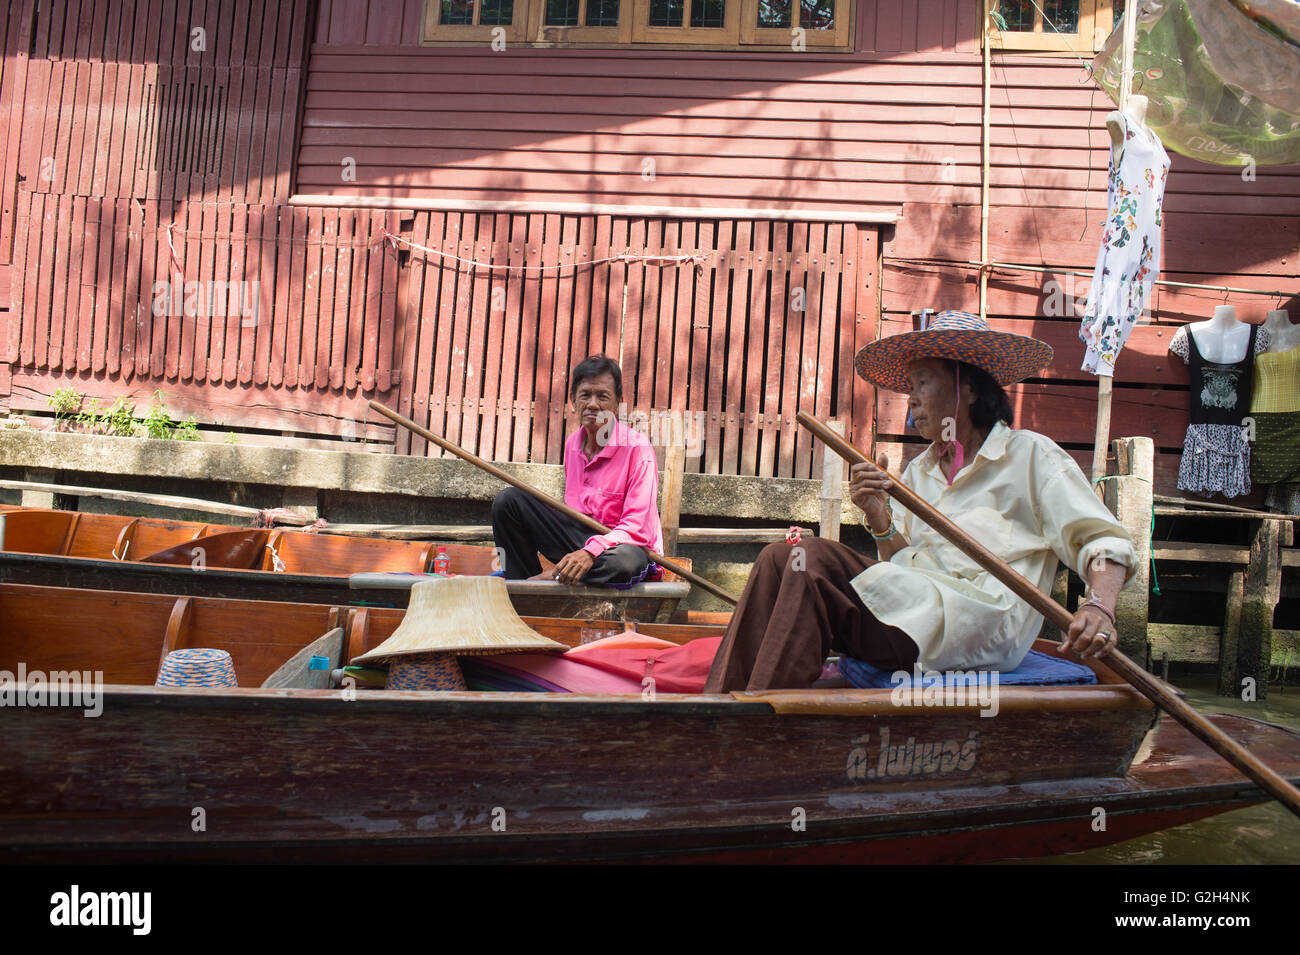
{"x": 957, "y": 335}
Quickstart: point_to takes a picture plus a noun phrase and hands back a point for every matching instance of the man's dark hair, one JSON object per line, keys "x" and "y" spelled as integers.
{"x": 991, "y": 403}
{"x": 593, "y": 367}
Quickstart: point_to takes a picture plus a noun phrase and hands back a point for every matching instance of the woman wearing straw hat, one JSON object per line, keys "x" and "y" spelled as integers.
{"x": 924, "y": 601}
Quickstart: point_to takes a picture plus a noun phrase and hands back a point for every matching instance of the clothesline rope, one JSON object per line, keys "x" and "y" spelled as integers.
{"x": 627, "y": 257}
{"x": 969, "y": 263}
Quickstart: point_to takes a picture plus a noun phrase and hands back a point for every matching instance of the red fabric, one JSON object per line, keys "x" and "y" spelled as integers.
{"x": 675, "y": 669}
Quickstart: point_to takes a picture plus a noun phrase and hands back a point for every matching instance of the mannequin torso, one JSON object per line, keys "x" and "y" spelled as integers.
{"x": 1135, "y": 109}
{"x": 1285, "y": 335}
{"x": 1222, "y": 339}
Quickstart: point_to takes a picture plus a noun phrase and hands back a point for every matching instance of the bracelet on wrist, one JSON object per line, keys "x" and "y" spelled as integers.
{"x": 893, "y": 532}
{"x": 1096, "y": 602}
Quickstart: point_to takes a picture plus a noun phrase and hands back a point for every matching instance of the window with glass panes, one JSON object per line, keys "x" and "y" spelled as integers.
{"x": 1081, "y": 26}
{"x": 738, "y": 23}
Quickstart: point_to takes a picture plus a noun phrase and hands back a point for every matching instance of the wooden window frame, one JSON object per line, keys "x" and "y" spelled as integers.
{"x": 726, "y": 35}
{"x": 1096, "y": 18}
{"x": 634, "y": 32}
{"x": 751, "y": 33}
{"x": 515, "y": 32}
{"x": 602, "y": 36}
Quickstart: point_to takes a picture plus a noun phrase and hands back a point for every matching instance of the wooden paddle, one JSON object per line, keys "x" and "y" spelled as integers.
{"x": 581, "y": 518}
{"x": 1142, "y": 681}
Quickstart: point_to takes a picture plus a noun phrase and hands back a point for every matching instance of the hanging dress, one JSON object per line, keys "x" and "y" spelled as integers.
{"x": 1216, "y": 448}
{"x": 1129, "y": 258}
{"x": 1275, "y": 408}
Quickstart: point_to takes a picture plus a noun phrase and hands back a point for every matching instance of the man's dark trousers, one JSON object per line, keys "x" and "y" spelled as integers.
{"x": 522, "y": 526}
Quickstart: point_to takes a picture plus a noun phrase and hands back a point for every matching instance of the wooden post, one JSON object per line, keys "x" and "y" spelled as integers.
{"x": 1229, "y": 674}
{"x": 1262, "y": 587}
{"x": 670, "y": 498}
{"x": 1129, "y": 497}
{"x": 832, "y": 496}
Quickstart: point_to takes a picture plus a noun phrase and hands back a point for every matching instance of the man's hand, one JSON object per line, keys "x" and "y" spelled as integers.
{"x": 573, "y": 567}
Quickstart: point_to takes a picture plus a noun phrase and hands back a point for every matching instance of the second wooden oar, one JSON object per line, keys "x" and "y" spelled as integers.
{"x": 1142, "y": 681}
{"x": 584, "y": 519}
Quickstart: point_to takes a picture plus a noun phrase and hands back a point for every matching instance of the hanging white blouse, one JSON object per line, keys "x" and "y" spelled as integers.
{"x": 1026, "y": 500}
{"x": 1129, "y": 258}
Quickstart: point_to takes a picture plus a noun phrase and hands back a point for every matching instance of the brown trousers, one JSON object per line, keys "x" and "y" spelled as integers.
{"x": 797, "y": 607}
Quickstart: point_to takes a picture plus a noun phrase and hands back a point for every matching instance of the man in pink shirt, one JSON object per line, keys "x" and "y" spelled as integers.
{"x": 610, "y": 474}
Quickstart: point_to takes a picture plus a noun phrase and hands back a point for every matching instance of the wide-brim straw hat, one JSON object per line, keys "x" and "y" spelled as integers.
{"x": 465, "y": 616}
{"x": 960, "y": 336}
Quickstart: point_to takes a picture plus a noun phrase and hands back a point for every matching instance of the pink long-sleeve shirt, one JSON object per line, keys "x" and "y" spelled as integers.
{"x": 618, "y": 487}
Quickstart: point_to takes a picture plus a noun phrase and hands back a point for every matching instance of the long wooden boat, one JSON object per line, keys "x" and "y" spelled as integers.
{"x": 840, "y": 775}
{"x": 114, "y": 552}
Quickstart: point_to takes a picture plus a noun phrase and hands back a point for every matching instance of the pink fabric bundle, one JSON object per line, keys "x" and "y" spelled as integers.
{"x": 618, "y": 664}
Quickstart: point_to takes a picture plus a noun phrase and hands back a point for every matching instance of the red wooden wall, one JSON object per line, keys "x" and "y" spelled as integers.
{"x": 894, "y": 126}
{"x": 151, "y": 143}
{"x": 115, "y": 127}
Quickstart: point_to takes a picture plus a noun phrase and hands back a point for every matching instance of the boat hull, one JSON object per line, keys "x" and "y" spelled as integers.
{"x": 309, "y": 775}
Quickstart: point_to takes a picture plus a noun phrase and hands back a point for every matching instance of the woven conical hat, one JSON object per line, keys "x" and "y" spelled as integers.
{"x": 461, "y": 615}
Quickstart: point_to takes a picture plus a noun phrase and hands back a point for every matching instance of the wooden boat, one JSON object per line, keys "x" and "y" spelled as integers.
{"x": 115, "y": 552}
{"x": 256, "y": 773}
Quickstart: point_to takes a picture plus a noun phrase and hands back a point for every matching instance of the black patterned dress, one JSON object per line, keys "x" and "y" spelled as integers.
{"x": 1216, "y": 448}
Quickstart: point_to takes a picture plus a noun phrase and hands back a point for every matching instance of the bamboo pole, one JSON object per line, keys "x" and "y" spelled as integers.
{"x": 583, "y": 519}
{"x": 1101, "y": 439}
{"x": 1142, "y": 681}
{"x": 986, "y": 135}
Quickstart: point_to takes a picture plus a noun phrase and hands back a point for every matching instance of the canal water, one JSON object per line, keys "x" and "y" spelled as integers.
{"x": 1266, "y": 834}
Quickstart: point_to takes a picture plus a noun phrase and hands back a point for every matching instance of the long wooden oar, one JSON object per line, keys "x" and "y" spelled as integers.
{"x": 560, "y": 506}
{"x": 1142, "y": 681}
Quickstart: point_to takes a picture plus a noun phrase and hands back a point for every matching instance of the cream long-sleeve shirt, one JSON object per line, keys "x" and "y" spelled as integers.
{"x": 1026, "y": 500}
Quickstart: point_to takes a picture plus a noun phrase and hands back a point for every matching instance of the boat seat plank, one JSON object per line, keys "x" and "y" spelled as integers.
{"x": 34, "y": 531}
{"x": 115, "y": 633}
{"x": 240, "y": 549}
{"x": 179, "y": 624}
{"x": 334, "y": 556}
{"x": 96, "y": 535}
{"x": 157, "y": 534}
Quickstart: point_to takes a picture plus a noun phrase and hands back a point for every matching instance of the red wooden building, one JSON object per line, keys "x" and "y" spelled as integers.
{"x": 274, "y": 212}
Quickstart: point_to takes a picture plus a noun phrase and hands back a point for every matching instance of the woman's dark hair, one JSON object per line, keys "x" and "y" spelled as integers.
{"x": 991, "y": 403}
{"x": 593, "y": 367}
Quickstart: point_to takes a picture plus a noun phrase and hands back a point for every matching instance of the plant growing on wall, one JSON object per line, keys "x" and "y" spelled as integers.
{"x": 160, "y": 424}
{"x": 119, "y": 419}
{"x": 66, "y": 403}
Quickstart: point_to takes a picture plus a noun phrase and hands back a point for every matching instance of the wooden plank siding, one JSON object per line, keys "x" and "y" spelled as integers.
{"x": 894, "y": 126}
{"x": 587, "y": 282}
{"x": 152, "y": 147}
{"x": 337, "y": 98}
{"x": 210, "y": 311}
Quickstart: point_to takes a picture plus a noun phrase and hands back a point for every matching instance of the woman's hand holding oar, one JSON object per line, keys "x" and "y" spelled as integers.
{"x": 584, "y": 519}
{"x": 1142, "y": 681}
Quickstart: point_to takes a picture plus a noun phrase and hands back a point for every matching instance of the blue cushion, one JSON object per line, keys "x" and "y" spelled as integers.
{"x": 1037, "y": 669}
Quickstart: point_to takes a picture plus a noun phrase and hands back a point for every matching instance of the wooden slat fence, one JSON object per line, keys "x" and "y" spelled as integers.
{"x": 267, "y": 297}
{"x": 735, "y": 325}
